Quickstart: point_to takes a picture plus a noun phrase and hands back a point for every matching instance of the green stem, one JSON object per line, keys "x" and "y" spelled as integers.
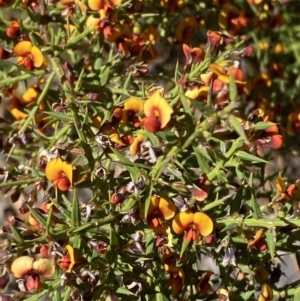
{"x": 11, "y": 80}
{"x": 259, "y": 223}
{"x": 19, "y": 182}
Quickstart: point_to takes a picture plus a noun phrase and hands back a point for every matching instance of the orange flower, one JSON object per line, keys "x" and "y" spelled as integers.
{"x": 157, "y": 111}
{"x": 192, "y": 224}
{"x": 159, "y": 210}
{"x": 216, "y": 39}
{"x": 192, "y": 55}
{"x": 29, "y": 55}
{"x": 13, "y": 30}
{"x": 185, "y": 29}
{"x": 60, "y": 173}
{"x": 132, "y": 106}
{"x": 270, "y": 138}
{"x": 258, "y": 242}
{"x": 25, "y": 265}
{"x": 103, "y": 4}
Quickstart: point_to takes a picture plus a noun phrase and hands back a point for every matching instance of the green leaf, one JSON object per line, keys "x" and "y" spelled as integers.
{"x": 38, "y": 216}
{"x": 247, "y": 295}
{"x": 236, "y": 125}
{"x": 113, "y": 238}
{"x": 56, "y": 296}
{"x": 130, "y": 203}
{"x": 16, "y": 235}
{"x": 104, "y": 75}
{"x": 230, "y": 227}
{"x": 59, "y": 116}
{"x": 149, "y": 241}
{"x": 130, "y": 166}
{"x": 204, "y": 166}
{"x": 184, "y": 246}
{"x": 124, "y": 291}
{"x": 239, "y": 172}
{"x": 233, "y": 93}
{"x": 254, "y": 206}
{"x": 236, "y": 203}
{"x": 248, "y": 157}
{"x": 262, "y": 125}
{"x": 75, "y": 214}
{"x": 271, "y": 241}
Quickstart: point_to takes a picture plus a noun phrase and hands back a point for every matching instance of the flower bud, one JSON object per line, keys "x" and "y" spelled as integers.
{"x": 117, "y": 198}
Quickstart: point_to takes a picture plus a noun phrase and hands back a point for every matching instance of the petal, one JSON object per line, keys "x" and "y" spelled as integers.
{"x": 280, "y": 185}
{"x": 96, "y": 4}
{"x": 276, "y": 142}
{"x": 44, "y": 267}
{"x": 21, "y": 266}
{"x": 54, "y": 169}
{"x": 70, "y": 250}
{"x": 187, "y": 52}
{"x": 213, "y": 39}
{"x": 151, "y": 124}
{"x": 30, "y": 95}
{"x": 67, "y": 169}
{"x": 37, "y": 57}
{"x": 19, "y": 115}
{"x": 134, "y": 104}
{"x": 181, "y": 221}
{"x": 23, "y": 48}
{"x": 207, "y": 78}
{"x": 198, "y": 54}
{"x": 217, "y": 69}
{"x": 114, "y": 136}
{"x": 62, "y": 184}
{"x": 204, "y": 223}
{"x": 198, "y": 193}
{"x": 167, "y": 208}
{"x": 135, "y": 146}
{"x": 154, "y": 201}
{"x": 156, "y": 104}
{"x": 93, "y": 22}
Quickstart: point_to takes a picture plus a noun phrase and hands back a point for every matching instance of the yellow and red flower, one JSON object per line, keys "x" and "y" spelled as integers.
{"x": 159, "y": 210}
{"x": 192, "y": 55}
{"x": 192, "y": 224}
{"x": 29, "y": 55}
{"x": 60, "y": 173}
{"x": 25, "y": 265}
{"x": 157, "y": 113}
{"x": 132, "y": 107}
